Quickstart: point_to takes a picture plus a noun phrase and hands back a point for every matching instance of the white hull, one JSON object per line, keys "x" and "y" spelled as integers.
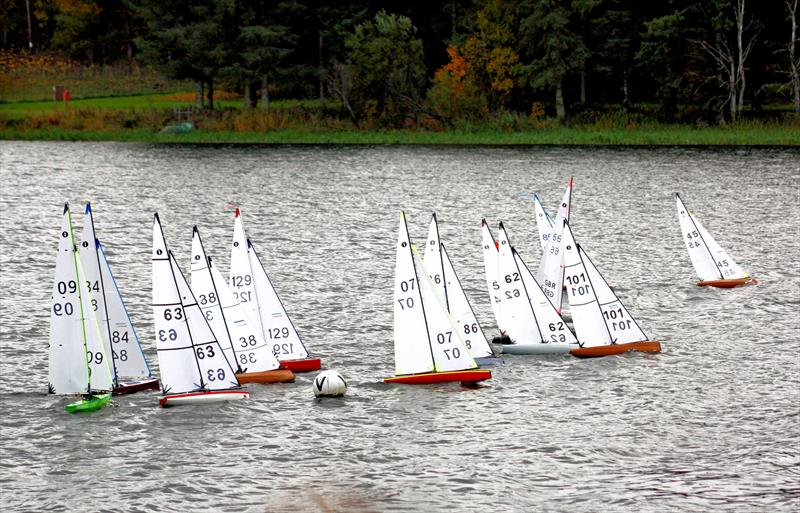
{"x": 203, "y": 397}
{"x": 537, "y": 348}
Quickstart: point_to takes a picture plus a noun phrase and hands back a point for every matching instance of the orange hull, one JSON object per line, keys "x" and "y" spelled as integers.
{"x": 727, "y": 284}
{"x": 270, "y": 376}
{"x": 304, "y": 365}
{"x": 464, "y": 376}
{"x": 650, "y": 346}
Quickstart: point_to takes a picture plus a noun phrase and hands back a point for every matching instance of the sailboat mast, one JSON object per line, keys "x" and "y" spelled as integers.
{"x": 691, "y": 218}
{"x": 96, "y": 254}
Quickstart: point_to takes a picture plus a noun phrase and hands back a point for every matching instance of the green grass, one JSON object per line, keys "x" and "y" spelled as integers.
{"x": 662, "y": 135}
{"x": 24, "y": 109}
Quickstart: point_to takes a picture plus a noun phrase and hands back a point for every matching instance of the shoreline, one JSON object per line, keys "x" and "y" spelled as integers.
{"x": 667, "y": 135}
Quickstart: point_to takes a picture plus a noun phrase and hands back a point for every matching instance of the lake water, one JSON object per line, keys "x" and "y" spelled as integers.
{"x": 711, "y": 423}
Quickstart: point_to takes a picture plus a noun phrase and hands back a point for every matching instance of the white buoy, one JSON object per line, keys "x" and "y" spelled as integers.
{"x": 329, "y": 383}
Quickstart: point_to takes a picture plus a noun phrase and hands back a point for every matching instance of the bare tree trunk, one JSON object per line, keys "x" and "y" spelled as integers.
{"x": 249, "y": 102}
{"x": 626, "y": 98}
{"x": 742, "y": 55}
{"x": 200, "y": 93}
{"x": 561, "y": 113}
{"x": 321, "y": 74}
{"x": 264, "y": 95}
{"x": 794, "y": 60}
{"x": 210, "y": 94}
{"x": 583, "y": 83}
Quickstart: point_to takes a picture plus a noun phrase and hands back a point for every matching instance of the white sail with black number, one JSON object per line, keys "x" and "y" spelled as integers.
{"x": 102, "y": 368}
{"x": 68, "y": 370}
{"x": 241, "y": 274}
{"x": 709, "y": 259}
{"x": 516, "y": 313}
{"x": 447, "y": 345}
{"x": 490, "y": 269}
{"x": 434, "y": 261}
{"x": 543, "y": 221}
{"x": 599, "y": 316}
{"x": 177, "y": 320}
{"x": 216, "y": 370}
{"x": 412, "y": 348}
{"x": 462, "y": 313}
{"x": 551, "y": 269}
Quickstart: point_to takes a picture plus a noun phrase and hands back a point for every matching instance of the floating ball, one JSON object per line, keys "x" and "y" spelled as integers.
{"x": 329, "y": 383}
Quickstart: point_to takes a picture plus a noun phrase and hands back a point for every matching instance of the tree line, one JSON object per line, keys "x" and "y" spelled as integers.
{"x": 393, "y": 62}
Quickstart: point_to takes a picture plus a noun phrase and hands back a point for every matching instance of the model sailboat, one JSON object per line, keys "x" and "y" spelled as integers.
{"x": 713, "y": 264}
{"x": 448, "y": 286}
{"x": 530, "y": 320}
{"x": 242, "y": 343}
{"x": 603, "y": 324}
{"x": 193, "y": 366}
{"x": 130, "y": 370}
{"x": 428, "y": 346}
{"x": 77, "y": 358}
{"x": 551, "y": 269}
{"x": 252, "y": 286}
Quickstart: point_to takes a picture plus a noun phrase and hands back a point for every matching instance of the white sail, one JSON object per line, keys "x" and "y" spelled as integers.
{"x": 543, "y": 221}
{"x": 709, "y": 259}
{"x": 551, "y": 269}
{"x": 98, "y": 348}
{"x": 446, "y": 343}
{"x": 462, "y": 313}
{"x": 176, "y": 358}
{"x": 516, "y": 313}
{"x": 279, "y": 331}
{"x": 242, "y": 344}
{"x": 216, "y": 370}
{"x": 68, "y": 370}
{"x": 129, "y": 359}
{"x": 241, "y": 275}
{"x": 490, "y": 269}
{"x": 552, "y": 327}
{"x": 412, "y": 347}
{"x": 174, "y": 310}
{"x": 434, "y": 262}
{"x": 597, "y": 313}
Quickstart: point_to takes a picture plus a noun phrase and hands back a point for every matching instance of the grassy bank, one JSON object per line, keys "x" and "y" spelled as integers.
{"x": 659, "y": 135}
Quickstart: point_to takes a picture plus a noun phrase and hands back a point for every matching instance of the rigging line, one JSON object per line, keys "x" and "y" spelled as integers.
{"x": 441, "y": 262}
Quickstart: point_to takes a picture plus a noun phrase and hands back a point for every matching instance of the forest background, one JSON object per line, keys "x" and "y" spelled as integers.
{"x": 709, "y": 71}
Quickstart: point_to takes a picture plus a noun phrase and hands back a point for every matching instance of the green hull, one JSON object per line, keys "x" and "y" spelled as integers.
{"x": 93, "y": 403}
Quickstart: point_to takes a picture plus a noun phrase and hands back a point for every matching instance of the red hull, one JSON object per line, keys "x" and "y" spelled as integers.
{"x": 727, "y": 284}
{"x": 271, "y": 376}
{"x": 464, "y": 376}
{"x": 130, "y": 387}
{"x": 304, "y": 365}
{"x": 650, "y": 346}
